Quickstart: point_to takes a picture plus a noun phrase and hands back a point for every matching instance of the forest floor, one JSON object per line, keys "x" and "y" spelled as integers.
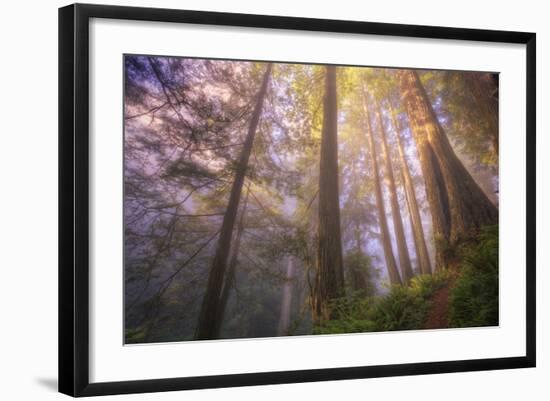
{"x": 438, "y": 315}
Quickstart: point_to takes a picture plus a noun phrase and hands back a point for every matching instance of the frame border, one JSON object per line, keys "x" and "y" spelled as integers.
{"x": 73, "y": 279}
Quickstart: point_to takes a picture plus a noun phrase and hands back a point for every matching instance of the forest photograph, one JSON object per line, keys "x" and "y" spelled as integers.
{"x": 266, "y": 199}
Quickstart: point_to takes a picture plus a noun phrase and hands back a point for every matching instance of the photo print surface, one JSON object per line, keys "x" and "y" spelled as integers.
{"x": 266, "y": 199}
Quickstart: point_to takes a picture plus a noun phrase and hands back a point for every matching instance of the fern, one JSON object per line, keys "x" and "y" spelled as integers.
{"x": 474, "y": 298}
{"x": 403, "y": 308}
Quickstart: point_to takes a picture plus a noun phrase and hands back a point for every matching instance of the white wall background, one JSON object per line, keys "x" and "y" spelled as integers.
{"x": 28, "y": 201}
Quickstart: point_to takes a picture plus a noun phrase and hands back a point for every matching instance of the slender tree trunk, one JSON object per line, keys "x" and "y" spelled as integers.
{"x": 330, "y": 273}
{"x": 422, "y": 254}
{"x": 459, "y": 206}
{"x": 211, "y": 301}
{"x": 484, "y": 90}
{"x": 284, "y": 319}
{"x": 232, "y": 266}
{"x": 403, "y": 251}
{"x": 391, "y": 265}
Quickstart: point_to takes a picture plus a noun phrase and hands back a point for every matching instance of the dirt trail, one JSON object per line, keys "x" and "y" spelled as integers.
{"x": 438, "y": 316}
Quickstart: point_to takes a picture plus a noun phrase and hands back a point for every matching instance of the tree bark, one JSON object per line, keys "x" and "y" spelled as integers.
{"x": 284, "y": 318}
{"x": 458, "y": 205}
{"x": 232, "y": 266}
{"x": 330, "y": 274}
{"x": 211, "y": 301}
{"x": 403, "y": 251}
{"x": 391, "y": 265}
{"x": 424, "y": 264}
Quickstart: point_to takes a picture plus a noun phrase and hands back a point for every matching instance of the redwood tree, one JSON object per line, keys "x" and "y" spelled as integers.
{"x": 330, "y": 273}
{"x": 385, "y": 239}
{"x": 422, "y": 254}
{"x": 458, "y": 205}
{"x": 404, "y": 258}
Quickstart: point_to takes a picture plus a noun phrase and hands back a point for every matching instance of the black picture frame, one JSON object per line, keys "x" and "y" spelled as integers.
{"x": 74, "y": 198}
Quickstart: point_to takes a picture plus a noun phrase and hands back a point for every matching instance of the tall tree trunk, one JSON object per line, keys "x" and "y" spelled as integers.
{"x": 211, "y": 301}
{"x": 458, "y": 205}
{"x": 484, "y": 90}
{"x": 284, "y": 318}
{"x": 403, "y": 251}
{"x": 232, "y": 266}
{"x": 422, "y": 254}
{"x": 330, "y": 273}
{"x": 391, "y": 265}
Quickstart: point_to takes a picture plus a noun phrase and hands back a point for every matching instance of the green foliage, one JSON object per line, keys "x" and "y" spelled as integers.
{"x": 361, "y": 273}
{"x": 352, "y": 315}
{"x": 426, "y": 285}
{"x": 474, "y": 298}
{"x": 185, "y": 125}
{"x": 403, "y": 308}
{"x": 134, "y": 336}
{"x": 463, "y": 120}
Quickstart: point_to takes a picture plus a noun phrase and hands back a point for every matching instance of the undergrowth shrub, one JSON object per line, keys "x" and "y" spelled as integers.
{"x": 474, "y": 298}
{"x": 402, "y": 308}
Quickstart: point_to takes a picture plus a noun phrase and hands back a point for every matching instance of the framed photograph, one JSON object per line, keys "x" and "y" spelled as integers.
{"x": 250, "y": 199}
